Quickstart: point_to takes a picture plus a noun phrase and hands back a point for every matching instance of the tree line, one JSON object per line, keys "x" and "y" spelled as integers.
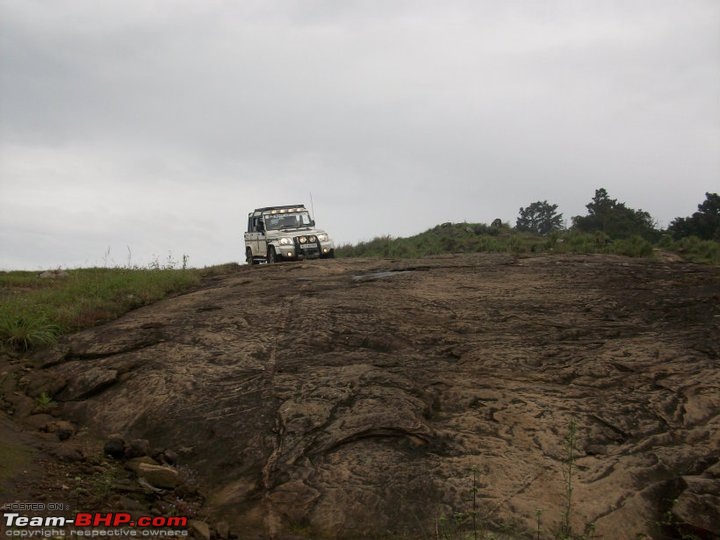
{"x": 609, "y": 226}
{"x": 617, "y": 220}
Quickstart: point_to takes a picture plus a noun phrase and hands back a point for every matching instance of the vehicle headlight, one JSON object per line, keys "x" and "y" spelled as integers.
{"x": 285, "y": 241}
{"x": 322, "y": 237}
{"x": 302, "y": 239}
{"x": 311, "y": 239}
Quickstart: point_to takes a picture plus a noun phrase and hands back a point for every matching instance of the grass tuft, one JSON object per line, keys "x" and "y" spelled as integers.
{"x": 26, "y": 331}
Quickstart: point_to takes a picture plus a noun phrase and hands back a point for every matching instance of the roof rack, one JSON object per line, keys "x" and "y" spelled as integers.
{"x": 266, "y": 208}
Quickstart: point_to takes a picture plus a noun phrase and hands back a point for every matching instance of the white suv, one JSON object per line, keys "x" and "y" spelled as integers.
{"x": 279, "y": 233}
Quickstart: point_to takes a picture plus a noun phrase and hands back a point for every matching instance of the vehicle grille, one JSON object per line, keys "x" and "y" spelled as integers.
{"x": 307, "y": 248}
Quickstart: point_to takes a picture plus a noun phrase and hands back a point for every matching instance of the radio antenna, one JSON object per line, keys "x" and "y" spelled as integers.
{"x": 312, "y": 206}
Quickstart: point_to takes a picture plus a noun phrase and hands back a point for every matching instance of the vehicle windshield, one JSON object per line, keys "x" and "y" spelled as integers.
{"x": 291, "y": 220}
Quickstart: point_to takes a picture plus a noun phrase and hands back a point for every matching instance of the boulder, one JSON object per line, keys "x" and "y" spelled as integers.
{"x": 115, "y": 447}
{"x": 62, "y": 428}
{"x": 169, "y": 457}
{"x": 134, "y": 463}
{"x": 158, "y": 475}
{"x": 137, "y": 448}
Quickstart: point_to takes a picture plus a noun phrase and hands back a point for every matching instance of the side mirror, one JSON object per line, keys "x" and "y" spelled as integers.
{"x": 260, "y": 226}
{"x": 312, "y": 222}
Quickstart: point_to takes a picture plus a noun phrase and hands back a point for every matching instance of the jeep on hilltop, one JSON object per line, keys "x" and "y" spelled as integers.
{"x": 285, "y": 233}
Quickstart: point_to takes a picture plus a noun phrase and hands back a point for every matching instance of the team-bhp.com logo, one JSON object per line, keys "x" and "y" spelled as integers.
{"x": 87, "y": 524}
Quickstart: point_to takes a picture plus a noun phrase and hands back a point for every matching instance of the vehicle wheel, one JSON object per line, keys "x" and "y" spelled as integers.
{"x": 249, "y": 257}
{"x": 271, "y": 256}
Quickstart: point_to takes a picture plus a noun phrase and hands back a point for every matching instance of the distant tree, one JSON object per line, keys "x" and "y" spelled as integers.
{"x": 705, "y": 223}
{"x": 540, "y": 218}
{"x": 615, "y": 219}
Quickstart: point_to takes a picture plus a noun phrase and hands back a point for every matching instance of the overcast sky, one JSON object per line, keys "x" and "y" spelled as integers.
{"x": 148, "y": 127}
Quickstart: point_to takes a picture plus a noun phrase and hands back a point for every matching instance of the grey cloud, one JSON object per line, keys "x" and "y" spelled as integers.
{"x": 399, "y": 115}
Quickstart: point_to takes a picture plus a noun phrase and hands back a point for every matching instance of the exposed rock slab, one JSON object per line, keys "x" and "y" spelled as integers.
{"x": 308, "y": 400}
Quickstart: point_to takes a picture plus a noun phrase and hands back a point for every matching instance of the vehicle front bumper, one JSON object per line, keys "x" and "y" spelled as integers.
{"x": 308, "y": 250}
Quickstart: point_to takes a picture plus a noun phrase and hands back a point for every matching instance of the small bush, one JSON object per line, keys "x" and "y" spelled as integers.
{"x": 632, "y": 247}
{"x": 693, "y": 249}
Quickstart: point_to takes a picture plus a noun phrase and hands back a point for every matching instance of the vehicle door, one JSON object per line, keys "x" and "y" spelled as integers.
{"x": 255, "y": 237}
{"x": 261, "y": 239}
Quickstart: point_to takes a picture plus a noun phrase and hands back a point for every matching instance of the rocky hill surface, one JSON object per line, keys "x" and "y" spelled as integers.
{"x": 371, "y": 399}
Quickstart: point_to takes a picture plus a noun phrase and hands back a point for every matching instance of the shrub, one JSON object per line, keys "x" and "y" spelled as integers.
{"x": 632, "y": 247}
{"x": 694, "y": 249}
{"x": 478, "y": 237}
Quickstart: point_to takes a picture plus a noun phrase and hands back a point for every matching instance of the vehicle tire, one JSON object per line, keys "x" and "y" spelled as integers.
{"x": 271, "y": 256}
{"x": 249, "y": 257}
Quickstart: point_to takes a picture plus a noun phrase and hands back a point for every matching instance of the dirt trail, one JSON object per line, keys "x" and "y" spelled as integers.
{"x": 345, "y": 399}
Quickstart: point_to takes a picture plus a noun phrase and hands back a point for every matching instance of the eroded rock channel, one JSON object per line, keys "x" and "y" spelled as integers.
{"x": 338, "y": 399}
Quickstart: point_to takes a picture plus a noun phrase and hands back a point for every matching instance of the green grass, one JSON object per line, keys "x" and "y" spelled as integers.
{"x": 477, "y": 237}
{"x": 35, "y": 311}
{"x": 23, "y": 331}
{"x": 693, "y": 249}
